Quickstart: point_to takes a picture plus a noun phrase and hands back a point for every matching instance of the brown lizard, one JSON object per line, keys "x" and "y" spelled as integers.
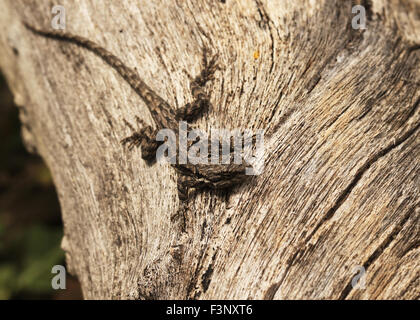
{"x": 199, "y": 176}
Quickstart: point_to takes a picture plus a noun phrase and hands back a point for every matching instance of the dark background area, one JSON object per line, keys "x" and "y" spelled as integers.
{"x": 30, "y": 221}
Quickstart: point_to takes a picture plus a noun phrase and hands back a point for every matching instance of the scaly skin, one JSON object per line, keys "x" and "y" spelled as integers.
{"x": 189, "y": 176}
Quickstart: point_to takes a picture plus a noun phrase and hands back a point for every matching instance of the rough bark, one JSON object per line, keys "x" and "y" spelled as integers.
{"x": 340, "y": 187}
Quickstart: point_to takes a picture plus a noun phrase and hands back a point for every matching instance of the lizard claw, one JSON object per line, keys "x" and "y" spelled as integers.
{"x": 132, "y": 141}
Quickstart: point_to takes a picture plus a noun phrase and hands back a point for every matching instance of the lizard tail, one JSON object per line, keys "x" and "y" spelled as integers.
{"x": 127, "y": 73}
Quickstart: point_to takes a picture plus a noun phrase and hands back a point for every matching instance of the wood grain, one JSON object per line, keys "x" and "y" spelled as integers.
{"x": 340, "y": 108}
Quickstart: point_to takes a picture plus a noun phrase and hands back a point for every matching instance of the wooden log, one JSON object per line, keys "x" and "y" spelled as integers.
{"x": 338, "y": 199}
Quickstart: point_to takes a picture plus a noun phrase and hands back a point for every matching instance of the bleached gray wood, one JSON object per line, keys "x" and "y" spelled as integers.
{"x": 340, "y": 188}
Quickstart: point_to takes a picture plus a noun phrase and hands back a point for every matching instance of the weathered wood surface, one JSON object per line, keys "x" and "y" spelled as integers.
{"x": 340, "y": 187}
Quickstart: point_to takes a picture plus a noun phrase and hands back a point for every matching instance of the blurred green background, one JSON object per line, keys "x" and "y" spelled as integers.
{"x": 30, "y": 220}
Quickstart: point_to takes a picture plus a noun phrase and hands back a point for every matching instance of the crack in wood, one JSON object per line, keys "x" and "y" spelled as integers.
{"x": 265, "y": 18}
{"x": 375, "y": 255}
{"x": 359, "y": 174}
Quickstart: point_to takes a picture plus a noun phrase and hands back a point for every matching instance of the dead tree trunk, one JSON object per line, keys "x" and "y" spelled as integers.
{"x": 339, "y": 194}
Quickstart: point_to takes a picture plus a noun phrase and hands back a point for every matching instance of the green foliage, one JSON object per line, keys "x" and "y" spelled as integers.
{"x": 30, "y": 224}
{"x": 35, "y": 250}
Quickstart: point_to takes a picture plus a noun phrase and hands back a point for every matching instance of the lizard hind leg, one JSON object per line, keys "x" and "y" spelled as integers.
{"x": 201, "y": 103}
{"x": 145, "y": 138}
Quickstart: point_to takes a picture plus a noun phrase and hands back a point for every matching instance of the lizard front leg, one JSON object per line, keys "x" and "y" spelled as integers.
{"x": 145, "y": 137}
{"x": 183, "y": 196}
{"x": 206, "y": 177}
